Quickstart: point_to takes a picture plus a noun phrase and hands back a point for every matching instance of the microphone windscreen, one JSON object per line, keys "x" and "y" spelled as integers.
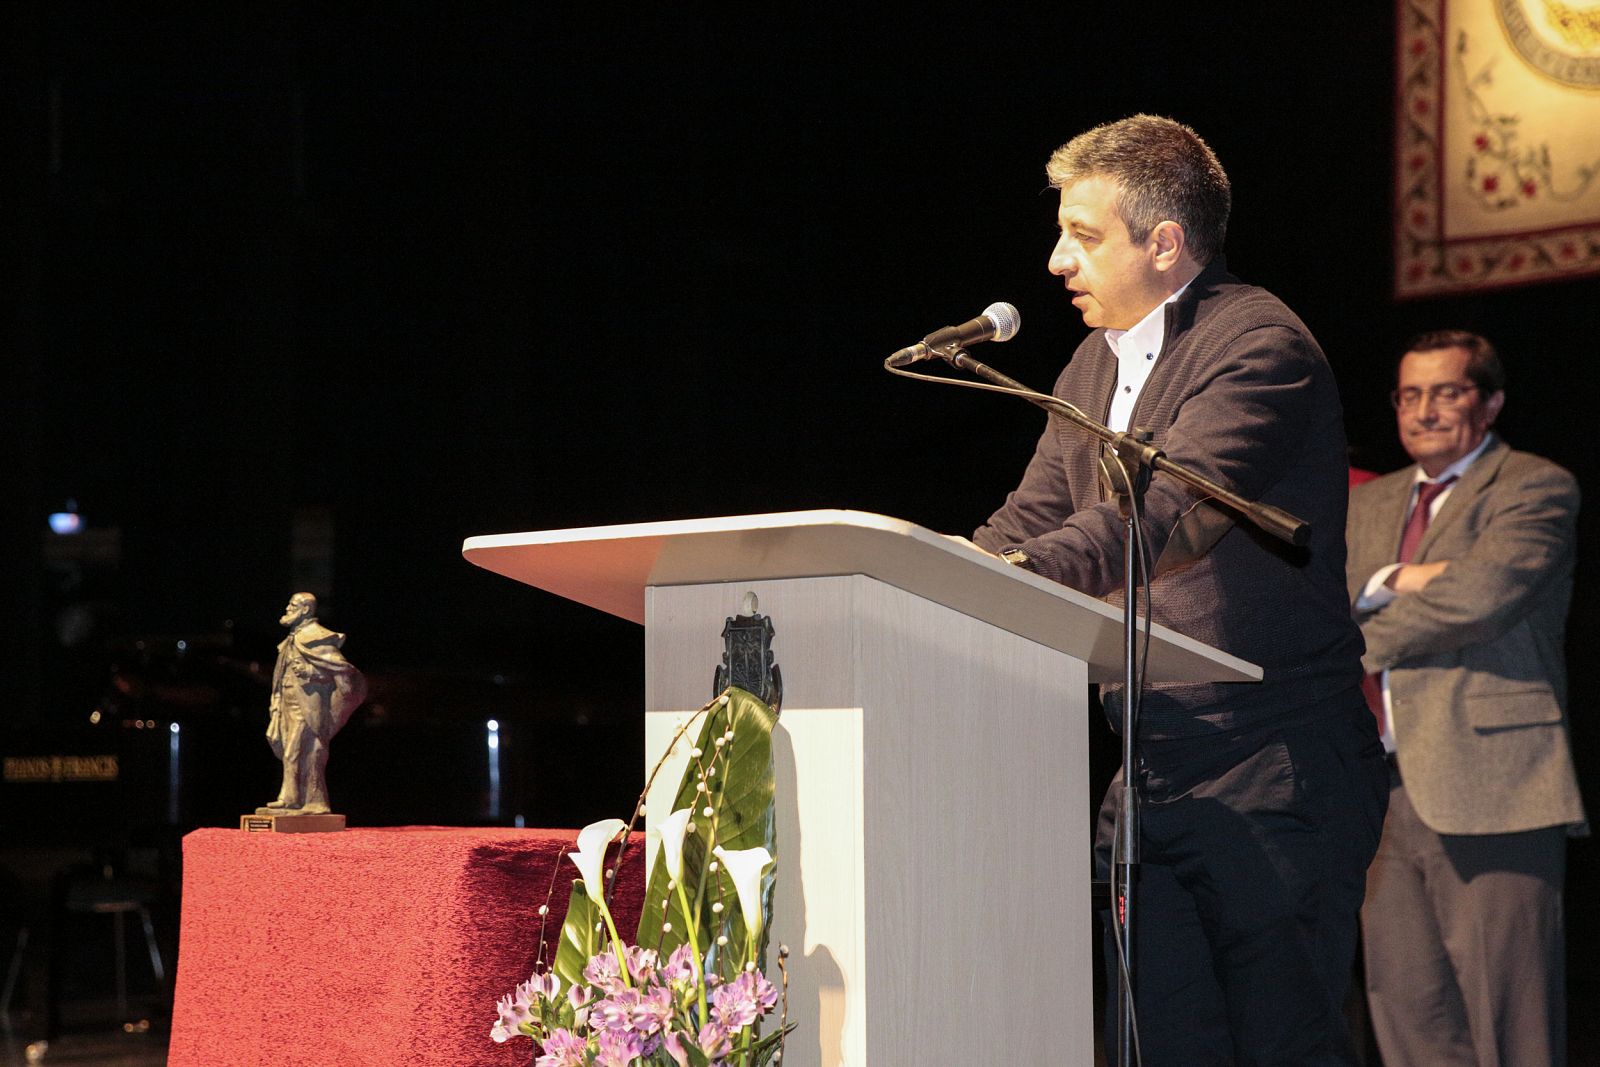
{"x": 1006, "y": 318}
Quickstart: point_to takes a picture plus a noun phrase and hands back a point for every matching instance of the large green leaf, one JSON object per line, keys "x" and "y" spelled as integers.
{"x": 741, "y": 791}
{"x": 580, "y": 938}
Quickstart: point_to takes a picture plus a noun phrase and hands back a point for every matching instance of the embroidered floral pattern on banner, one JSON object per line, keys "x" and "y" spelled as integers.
{"x": 1497, "y": 155}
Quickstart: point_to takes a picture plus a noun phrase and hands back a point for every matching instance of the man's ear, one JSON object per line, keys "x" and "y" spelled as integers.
{"x": 1492, "y": 406}
{"x": 1167, "y": 242}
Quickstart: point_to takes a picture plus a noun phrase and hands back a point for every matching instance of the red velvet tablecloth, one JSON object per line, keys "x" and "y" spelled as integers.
{"x": 379, "y": 946}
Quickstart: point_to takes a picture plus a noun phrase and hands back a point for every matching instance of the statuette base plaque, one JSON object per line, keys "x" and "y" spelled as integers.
{"x": 290, "y": 823}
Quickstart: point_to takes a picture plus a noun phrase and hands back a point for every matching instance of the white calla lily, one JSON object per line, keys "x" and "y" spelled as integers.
{"x": 672, "y": 830}
{"x": 591, "y": 855}
{"x": 744, "y": 866}
{"x": 591, "y": 860}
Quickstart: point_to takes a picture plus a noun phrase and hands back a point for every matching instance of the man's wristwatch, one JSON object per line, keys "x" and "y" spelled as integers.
{"x": 1014, "y": 556}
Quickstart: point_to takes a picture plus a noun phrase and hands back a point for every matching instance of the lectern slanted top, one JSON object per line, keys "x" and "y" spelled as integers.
{"x": 610, "y": 567}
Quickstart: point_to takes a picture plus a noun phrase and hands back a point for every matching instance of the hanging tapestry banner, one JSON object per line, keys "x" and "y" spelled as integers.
{"x": 1497, "y": 150}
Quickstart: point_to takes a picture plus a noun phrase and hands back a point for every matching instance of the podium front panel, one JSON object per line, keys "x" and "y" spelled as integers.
{"x": 933, "y": 816}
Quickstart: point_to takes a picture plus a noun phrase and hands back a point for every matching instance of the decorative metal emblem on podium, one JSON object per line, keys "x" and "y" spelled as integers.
{"x": 747, "y": 659}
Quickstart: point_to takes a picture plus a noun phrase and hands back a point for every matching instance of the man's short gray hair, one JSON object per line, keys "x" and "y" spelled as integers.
{"x": 1162, "y": 169}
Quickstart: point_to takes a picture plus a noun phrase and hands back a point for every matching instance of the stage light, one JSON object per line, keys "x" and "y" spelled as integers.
{"x": 174, "y": 777}
{"x": 494, "y": 769}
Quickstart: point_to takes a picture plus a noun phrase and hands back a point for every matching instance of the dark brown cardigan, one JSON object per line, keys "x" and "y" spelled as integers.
{"x": 1241, "y": 393}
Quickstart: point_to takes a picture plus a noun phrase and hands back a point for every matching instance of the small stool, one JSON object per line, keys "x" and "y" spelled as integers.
{"x": 117, "y": 896}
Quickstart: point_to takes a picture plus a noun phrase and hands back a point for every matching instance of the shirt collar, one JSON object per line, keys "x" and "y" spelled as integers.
{"x": 1148, "y": 333}
{"x": 1459, "y": 467}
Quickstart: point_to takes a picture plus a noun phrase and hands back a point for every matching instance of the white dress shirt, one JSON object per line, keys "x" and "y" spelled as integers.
{"x": 1136, "y": 350}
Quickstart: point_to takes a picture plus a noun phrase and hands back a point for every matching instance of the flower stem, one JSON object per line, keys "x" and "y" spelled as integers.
{"x": 616, "y": 946}
{"x": 692, "y": 924}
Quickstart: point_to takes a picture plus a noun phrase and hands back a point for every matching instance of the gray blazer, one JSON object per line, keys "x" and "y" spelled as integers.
{"x": 1477, "y": 673}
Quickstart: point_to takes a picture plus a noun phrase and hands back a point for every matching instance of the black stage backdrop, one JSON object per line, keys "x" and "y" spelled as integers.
{"x": 381, "y": 277}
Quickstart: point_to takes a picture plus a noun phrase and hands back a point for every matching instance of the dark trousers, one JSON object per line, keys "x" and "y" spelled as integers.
{"x": 1254, "y": 853}
{"x": 1465, "y": 949}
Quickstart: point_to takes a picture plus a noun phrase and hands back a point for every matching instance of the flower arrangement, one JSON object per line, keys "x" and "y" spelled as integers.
{"x": 689, "y": 991}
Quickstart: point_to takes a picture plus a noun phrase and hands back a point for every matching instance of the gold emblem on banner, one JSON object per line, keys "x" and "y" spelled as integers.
{"x": 1559, "y": 39}
{"x": 1578, "y": 27}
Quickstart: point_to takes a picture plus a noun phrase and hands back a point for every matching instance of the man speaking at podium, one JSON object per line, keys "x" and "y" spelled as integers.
{"x": 1262, "y": 802}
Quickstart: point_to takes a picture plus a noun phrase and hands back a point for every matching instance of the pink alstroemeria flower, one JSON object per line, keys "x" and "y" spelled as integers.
{"x": 680, "y": 965}
{"x": 619, "y": 1048}
{"x": 743, "y": 1000}
{"x": 604, "y": 972}
{"x": 642, "y": 964}
{"x": 563, "y": 1048}
{"x": 515, "y": 1008}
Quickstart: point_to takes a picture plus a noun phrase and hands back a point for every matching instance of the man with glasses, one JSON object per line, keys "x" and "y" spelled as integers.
{"x": 1460, "y": 571}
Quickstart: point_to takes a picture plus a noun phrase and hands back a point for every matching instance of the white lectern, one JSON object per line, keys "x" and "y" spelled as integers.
{"x": 933, "y": 807}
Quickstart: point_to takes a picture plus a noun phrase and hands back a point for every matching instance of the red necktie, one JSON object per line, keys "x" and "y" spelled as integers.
{"x": 1416, "y": 526}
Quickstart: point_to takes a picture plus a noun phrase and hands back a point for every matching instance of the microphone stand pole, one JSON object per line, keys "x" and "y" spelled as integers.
{"x": 1129, "y": 479}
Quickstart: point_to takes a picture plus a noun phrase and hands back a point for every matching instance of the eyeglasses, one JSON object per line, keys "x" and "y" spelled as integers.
{"x": 1449, "y": 394}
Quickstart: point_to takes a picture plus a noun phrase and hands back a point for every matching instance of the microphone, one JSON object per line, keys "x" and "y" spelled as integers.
{"x": 999, "y": 322}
